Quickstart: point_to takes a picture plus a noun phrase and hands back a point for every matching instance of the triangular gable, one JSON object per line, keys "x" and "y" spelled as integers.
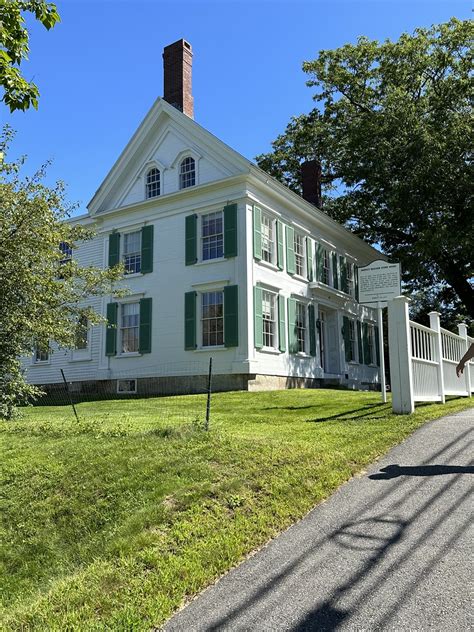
{"x": 165, "y": 135}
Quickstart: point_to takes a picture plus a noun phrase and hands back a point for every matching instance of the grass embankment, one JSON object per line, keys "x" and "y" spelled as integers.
{"x": 112, "y": 522}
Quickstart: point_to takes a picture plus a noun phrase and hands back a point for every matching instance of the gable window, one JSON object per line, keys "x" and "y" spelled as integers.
{"x": 268, "y": 239}
{"x": 300, "y": 325}
{"x": 41, "y": 354}
{"x": 132, "y": 252}
{"x": 152, "y": 183}
{"x": 299, "y": 242}
{"x": 129, "y": 327}
{"x": 66, "y": 252}
{"x": 269, "y": 319}
{"x": 212, "y": 236}
{"x": 81, "y": 334}
{"x": 187, "y": 173}
{"x": 212, "y": 318}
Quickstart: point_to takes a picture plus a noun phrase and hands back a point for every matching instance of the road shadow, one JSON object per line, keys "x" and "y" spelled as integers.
{"x": 393, "y": 471}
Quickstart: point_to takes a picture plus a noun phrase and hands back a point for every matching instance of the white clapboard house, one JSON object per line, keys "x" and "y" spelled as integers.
{"x": 222, "y": 260}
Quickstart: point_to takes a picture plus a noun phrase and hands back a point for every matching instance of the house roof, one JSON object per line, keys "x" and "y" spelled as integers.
{"x": 161, "y": 109}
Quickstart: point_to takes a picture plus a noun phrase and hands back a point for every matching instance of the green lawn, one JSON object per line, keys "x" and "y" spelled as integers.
{"x": 113, "y": 522}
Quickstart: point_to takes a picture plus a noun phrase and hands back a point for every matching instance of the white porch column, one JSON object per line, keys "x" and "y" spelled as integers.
{"x": 435, "y": 325}
{"x": 399, "y": 344}
{"x": 462, "y": 331}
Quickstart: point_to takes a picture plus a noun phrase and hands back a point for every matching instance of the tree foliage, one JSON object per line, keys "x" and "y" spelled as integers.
{"x": 19, "y": 94}
{"x": 393, "y": 132}
{"x": 41, "y": 298}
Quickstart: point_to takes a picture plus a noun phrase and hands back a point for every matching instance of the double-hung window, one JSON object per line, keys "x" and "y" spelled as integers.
{"x": 132, "y": 252}
{"x": 41, "y": 354}
{"x": 350, "y": 278}
{"x": 66, "y": 252}
{"x": 129, "y": 327}
{"x": 326, "y": 272}
{"x": 299, "y": 242}
{"x": 187, "y": 173}
{"x": 212, "y": 232}
{"x": 81, "y": 335}
{"x": 268, "y": 239}
{"x": 300, "y": 325}
{"x": 371, "y": 343}
{"x": 212, "y": 319}
{"x": 269, "y": 320}
{"x": 352, "y": 340}
{"x": 153, "y": 183}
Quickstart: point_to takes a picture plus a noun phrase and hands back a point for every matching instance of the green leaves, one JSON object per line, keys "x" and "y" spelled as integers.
{"x": 392, "y": 129}
{"x": 19, "y": 94}
{"x": 41, "y": 298}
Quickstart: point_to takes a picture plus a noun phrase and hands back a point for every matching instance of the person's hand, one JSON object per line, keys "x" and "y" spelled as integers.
{"x": 460, "y": 369}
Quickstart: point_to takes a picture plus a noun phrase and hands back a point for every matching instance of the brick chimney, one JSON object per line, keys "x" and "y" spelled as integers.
{"x": 311, "y": 182}
{"x": 178, "y": 64}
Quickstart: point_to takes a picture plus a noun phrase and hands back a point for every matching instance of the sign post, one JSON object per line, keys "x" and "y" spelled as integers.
{"x": 379, "y": 282}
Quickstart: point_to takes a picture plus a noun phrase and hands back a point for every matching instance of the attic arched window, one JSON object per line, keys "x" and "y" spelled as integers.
{"x": 187, "y": 173}
{"x": 152, "y": 183}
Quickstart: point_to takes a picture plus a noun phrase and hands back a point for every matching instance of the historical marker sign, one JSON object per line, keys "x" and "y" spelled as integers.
{"x": 379, "y": 282}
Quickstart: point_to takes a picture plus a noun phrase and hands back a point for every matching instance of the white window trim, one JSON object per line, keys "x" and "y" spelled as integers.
{"x": 205, "y": 290}
{"x": 201, "y": 216}
{"x": 126, "y": 354}
{"x": 134, "y": 392}
{"x": 145, "y": 181}
{"x": 276, "y": 347}
{"x": 82, "y": 355}
{"x": 130, "y": 231}
{"x": 36, "y": 362}
{"x": 274, "y": 244}
{"x": 305, "y": 262}
{"x": 305, "y": 304}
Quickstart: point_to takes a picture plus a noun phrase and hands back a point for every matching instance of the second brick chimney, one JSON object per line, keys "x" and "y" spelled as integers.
{"x": 178, "y": 64}
{"x": 311, "y": 182}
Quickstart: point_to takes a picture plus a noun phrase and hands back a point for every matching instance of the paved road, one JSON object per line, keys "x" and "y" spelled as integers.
{"x": 390, "y": 550}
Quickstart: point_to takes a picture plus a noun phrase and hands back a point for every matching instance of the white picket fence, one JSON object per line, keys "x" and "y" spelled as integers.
{"x": 423, "y": 359}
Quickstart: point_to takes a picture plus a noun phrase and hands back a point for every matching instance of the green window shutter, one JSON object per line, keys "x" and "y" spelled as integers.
{"x": 257, "y": 232}
{"x": 343, "y": 274}
{"x": 347, "y": 339}
{"x": 377, "y": 345}
{"x": 292, "y": 335}
{"x": 312, "y": 330}
{"x": 319, "y": 262}
{"x": 281, "y": 323}
{"x": 191, "y": 240}
{"x": 258, "y": 317}
{"x": 279, "y": 229}
{"x": 359, "y": 341}
{"x": 231, "y": 316}
{"x": 144, "y": 340}
{"x": 147, "y": 249}
{"x": 230, "y": 231}
{"x": 335, "y": 276}
{"x": 190, "y": 320}
{"x": 114, "y": 249}
{"x": 111, "y": 331}
{"x": 356, "y": 282}
{"x": 290, "y": 250}
{"x": 309, "y": 258}
{"x": 365, "y": 342}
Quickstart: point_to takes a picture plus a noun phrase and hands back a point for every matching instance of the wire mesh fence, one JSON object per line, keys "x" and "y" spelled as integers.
{"x": 177, "y": 392}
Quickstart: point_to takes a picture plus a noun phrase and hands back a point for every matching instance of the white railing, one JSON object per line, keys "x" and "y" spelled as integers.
{"x": 423, "y": 359}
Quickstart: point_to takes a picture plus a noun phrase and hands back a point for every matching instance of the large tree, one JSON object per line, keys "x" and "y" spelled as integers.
{"x": 20, "y": 94}
{"x": 42, "y": 296}
{"x": 393, "y": 131}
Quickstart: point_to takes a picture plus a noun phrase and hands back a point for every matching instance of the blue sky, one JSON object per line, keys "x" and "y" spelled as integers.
{"x": 100, "y": 70}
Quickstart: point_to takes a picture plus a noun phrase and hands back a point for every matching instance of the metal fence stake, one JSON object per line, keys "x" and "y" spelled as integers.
{"x": 208, "y": 407}
{"x": 69, "y": 395}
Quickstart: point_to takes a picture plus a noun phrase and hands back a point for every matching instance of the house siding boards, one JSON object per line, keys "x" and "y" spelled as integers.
{"x": 223, "y": 179}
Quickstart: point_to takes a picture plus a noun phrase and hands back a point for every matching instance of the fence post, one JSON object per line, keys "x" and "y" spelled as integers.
{"x": 399, "y": 344}
{"x": 209, "y": 384}
{"x": 69, "y": 395}
{"x": 435, "y": 325}
{"x": 462, "y": 330}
